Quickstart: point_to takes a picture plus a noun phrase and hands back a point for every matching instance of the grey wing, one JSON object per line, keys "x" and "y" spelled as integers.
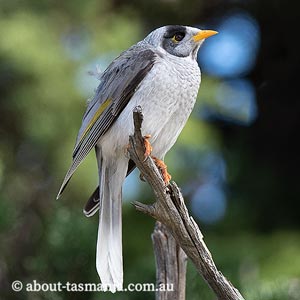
{"x": 118, "y": 84}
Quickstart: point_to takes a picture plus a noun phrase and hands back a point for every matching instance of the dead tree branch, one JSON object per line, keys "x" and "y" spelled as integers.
{"x": 170, "y": 265}
{"x": 171, "y": 211}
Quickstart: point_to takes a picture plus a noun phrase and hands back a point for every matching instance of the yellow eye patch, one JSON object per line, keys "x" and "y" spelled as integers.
{"x": 174, "y": 39}
{"x": 177, "y": 37}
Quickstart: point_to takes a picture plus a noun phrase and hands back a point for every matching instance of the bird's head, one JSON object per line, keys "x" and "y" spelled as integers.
{"x": 178, "y": 40}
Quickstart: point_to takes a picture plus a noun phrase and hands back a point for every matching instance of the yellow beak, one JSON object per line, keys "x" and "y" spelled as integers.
{"x": 203, "y": 34}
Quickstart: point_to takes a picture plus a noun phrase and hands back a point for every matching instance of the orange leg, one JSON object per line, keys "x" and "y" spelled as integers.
{"x": 159, "y": 163}
{"x": 163, "y": 169}
{"x": 148, "y": 147}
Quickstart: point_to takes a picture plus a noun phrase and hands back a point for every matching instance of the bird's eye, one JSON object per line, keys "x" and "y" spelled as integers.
{"x": 177, "y": 37}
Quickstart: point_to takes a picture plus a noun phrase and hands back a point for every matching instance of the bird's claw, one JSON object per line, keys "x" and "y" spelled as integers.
{"x": 163, "y": 170}
{"x": 148, "y": 147}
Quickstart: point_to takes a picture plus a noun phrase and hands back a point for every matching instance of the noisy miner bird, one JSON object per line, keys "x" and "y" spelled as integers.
{"x": 161, "y": 75}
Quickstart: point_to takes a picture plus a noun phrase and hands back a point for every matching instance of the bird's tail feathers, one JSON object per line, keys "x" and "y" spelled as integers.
{"x": 109, "y": 261}
{"x": 92, "y": 204}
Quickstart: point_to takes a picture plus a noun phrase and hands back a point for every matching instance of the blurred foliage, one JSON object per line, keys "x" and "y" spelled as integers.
{"x": 44, "y": 46}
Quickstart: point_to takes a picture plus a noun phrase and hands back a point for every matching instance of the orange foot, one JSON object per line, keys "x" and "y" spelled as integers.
{"x": 148, "y": 147}
{"x": 163, "y": 169}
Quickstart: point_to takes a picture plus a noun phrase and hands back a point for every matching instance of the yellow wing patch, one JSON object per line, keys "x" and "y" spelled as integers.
{"x": 97, "y": 114}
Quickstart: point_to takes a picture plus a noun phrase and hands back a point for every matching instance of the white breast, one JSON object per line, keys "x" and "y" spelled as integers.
{"x": 167, "y": 96}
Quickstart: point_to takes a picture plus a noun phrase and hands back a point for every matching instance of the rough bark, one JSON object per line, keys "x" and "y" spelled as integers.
{"x": 170, "y": 265}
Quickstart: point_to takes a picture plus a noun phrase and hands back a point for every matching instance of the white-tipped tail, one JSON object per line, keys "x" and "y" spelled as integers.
{"x": 109, "y": 261}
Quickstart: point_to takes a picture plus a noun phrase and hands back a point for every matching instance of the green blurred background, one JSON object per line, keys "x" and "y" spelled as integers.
{"x": 237, "y": 160}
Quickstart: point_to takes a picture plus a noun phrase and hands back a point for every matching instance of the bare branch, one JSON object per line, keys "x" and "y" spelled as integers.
{"x": 170, "y": 210}
{"x": 170, "y": 264}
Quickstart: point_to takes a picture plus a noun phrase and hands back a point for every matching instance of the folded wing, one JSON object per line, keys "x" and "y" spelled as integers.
{"x": 118, "y": 84}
